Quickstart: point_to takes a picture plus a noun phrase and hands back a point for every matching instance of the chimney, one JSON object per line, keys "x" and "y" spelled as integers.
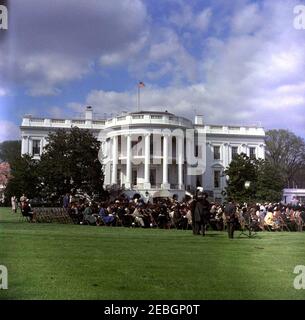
{"x": 89, "y": 113}
{"x": 199, "y": 120}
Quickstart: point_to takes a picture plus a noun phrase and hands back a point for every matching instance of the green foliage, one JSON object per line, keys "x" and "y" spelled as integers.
{"x": 270, "y": 183}
{"x": 266, "y": 180}
{"x": 24, "y": 178}
{"x": 286, "y": 152}
{"x": 70, "y": 163}
{"x": 9, "y": 151}
{"x": 240, "y": 170}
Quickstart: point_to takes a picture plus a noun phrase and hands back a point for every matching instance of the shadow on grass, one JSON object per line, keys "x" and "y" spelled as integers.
{"x": 212, "y": 234}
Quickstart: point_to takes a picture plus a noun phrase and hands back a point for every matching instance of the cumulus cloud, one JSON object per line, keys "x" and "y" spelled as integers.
{"x": 57, "y": 42}
{"x": 203, "y": 19}
{"x": 187, "y": 17}
{"x": 235, "y": 62}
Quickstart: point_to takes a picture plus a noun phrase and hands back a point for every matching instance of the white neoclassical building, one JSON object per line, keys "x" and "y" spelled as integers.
{"x": 156, "y": 152}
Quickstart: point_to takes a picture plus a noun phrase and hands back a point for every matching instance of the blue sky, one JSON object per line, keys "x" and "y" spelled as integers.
{"x": 235, "y": 62}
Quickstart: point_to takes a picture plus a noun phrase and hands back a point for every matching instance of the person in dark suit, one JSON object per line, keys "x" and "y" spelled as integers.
{"x": 200, "y": 212}
{"x": 230, "y": 213}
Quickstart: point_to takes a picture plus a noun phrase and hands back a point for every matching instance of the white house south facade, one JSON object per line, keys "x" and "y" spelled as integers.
{"x": 149, "y": 151}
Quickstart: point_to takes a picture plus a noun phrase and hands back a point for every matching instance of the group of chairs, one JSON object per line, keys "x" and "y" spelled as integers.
{"x": 281, "y": 225}
{"x": 48, "y": 215}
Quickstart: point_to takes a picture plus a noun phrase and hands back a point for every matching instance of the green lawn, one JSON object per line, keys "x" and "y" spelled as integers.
{"x": 52, "y": 261}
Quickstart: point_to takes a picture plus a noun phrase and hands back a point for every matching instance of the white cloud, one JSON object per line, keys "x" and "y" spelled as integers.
{"x": 203, "y": 19}
{"x": 171, "y": 55}
{"x": 247, "y": 20}
{"x": 187, "y": 17}
{"x": 44, "y": 72}
{"x": 3, "y": 92}
{"x": 9, "y": 131}
{"x": 119, "y": 57}
{"x": 56, "y": 43}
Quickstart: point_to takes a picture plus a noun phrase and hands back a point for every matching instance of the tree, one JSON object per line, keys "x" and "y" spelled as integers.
{"x": 270, "y": 183}
{"x": 266, "y": 180}
{"x": 10, "y": 150}
{"x": 70, "y": 163}
{"x": 24, "y": 178}
{"x": 286, "y": 152}
{"x": 240, "y": 170}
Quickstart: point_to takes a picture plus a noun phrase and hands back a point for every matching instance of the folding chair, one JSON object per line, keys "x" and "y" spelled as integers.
{"x": 283, "y": 224}
{"x": 245, "y": 224}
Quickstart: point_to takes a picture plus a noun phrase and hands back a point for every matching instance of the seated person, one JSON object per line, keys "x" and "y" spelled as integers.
{"x": 88, "y": 217}
{"x": 26, "y": 211}
{"x": 75, "y": 214}
{"x": 107, "y": 218}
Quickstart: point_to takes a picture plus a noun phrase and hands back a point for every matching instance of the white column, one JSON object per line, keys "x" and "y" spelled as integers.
{"x": 30, "y": 146}
{"x": 225, "y": 154}
{"x": 165, "y": 184}
{"x": 41, "y": 146}
{"x": 114, "y": 159}
{"x": 147, "y": 162}
{"x": 188, "y": 150}
{"x": 128, "y": 162}
{"x": 25, "y": 145}
{"x": 180, "y": 161}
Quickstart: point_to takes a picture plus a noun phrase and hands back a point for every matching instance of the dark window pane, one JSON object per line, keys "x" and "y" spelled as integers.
{"x": 36, "y": 147}
{"x": 234, "y": 152}
{"x": 216, "y": 153}
{"x": 216, "y": 179}
{"x": 252, "y": 153}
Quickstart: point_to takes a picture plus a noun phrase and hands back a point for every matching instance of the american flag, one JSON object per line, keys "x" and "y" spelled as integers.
{"x": 141, "y": 84}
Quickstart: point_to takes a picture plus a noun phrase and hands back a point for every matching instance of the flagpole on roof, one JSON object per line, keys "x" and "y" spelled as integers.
{"x": 140, "y": 85}
{"x": 138, "y": 97}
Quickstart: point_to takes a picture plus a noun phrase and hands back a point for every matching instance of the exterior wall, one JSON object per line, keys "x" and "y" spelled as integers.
{"x": 292, "y": 195}
{"x": 139, "y": 124}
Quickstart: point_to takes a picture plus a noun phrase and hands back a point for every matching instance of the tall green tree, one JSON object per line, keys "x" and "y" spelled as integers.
{"x": 23, "y": 178}
{"x": 286, "y": 152}
{"x": 70, "y": 163}
{"x": 10, "y": 150}
{"x": 240, "y": 170}
{"x": 270, "y": 183}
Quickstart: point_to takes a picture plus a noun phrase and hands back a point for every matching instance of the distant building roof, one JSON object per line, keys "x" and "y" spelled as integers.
{"x": 153, "y": 112}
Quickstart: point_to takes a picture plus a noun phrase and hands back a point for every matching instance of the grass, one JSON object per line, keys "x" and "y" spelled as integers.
{"x": 52, "y": 261}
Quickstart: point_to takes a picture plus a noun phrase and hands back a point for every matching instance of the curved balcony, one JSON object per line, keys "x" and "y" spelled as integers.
{"x": 148, "y": 119}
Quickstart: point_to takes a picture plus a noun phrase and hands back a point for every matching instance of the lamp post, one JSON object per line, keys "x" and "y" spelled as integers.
{"x": 247, "y": 186}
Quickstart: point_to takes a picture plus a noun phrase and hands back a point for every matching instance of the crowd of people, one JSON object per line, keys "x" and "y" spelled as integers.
{"x": 171, "y": 213}
{"x": 193, "y": 213}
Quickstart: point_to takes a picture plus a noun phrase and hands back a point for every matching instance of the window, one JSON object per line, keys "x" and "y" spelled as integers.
{"x": 196, "y": 150}
{"x": 156, "y": 117}
{"x": 151, "y": 145}
{"x": 118, "y": 177}
{"x": 140, "y": 116}
{"x": 216, "y": 153}
{"x": 252, "y": 153}
{"x": 174, "y": 147}
{"x": 134, "y": 177}
{"x": 216, "y": 179}
{"x": 119, "y": 145}
{"x": 36, "y": 147}
{"x": 152, "y": 177}
{"x": 234, "y": 152}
